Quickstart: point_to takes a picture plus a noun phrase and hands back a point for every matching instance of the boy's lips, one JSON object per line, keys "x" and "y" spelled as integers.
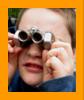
{"x": 33, "y": 67}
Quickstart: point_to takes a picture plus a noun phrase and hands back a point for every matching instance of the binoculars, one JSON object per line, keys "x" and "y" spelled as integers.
{"x": 34, "y": 35}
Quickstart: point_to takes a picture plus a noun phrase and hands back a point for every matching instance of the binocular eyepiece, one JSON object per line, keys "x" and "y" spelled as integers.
{"x": 34, "y": 36}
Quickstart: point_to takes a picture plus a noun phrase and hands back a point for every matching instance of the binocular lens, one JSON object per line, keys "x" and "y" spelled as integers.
{"x": 23, "y": 35}
{"x": 34, "y": 35}
{"x": 37, "y": 37}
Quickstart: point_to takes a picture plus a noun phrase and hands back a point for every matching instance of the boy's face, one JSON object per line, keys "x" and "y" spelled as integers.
{"x": 30, "y": 59}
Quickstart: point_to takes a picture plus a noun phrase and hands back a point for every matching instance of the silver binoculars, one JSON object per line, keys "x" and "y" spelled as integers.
{"x": 34, "y": 36}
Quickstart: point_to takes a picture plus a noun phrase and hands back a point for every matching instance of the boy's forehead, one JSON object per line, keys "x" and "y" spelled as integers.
{"x": 45, "y": 20}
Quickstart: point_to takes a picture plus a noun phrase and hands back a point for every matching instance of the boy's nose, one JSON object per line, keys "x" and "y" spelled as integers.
{"x": 34, "y": 51}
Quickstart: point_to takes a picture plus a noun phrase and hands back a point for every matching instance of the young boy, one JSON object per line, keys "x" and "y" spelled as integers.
{"x": 32, "y": 68}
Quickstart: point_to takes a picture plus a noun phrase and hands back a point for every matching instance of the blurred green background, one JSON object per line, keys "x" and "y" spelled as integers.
{"x": 13, "y": 12}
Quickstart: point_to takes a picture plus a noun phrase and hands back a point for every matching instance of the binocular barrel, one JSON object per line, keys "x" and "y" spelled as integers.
{"x": 35, "y": 36}
{"x": 22, "y": 36}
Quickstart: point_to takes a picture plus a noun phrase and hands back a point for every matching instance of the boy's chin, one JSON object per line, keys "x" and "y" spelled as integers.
{"x": 32, "y": 80}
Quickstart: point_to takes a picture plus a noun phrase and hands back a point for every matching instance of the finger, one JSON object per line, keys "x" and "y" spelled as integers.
{"x": 11, "y": 42}
{"x": 58, "y": 69}
{"x": 10, "y": 49}
{"x": 66, "y": 46}
{"x": 59, "y": 53}
{"x": 10, "y": 36}
{"x": 54, "y": 63}
{"x": 13, "y": 49}
{"x": 11, "y": 46}
{"x": 17, "y": 49}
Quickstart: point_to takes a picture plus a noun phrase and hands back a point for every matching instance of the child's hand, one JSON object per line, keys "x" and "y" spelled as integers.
{"x": 58, "y": 62}
{"x": 13, "y": 51}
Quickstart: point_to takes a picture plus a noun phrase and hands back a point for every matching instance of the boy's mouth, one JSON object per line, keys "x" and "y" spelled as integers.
{"x": 34, "y": 68}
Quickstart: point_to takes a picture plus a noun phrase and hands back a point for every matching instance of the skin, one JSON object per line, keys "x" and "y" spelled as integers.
{"x": 55, "y": 63}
